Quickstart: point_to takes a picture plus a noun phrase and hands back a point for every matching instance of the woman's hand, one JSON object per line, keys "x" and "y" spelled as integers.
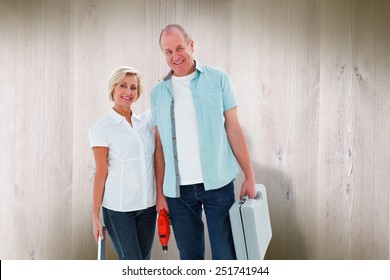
{"x": 98, "y": 229}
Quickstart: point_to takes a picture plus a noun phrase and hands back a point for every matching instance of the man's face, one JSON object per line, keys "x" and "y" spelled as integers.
{"x": 178, "y": 52}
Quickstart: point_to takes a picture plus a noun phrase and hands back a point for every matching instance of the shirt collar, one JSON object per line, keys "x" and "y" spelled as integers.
{"x": 198, "y": 66}
{"x": 118, "y": 118}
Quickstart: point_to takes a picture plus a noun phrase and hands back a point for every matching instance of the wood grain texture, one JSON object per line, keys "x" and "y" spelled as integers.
{"x": 313, "y": 91}
{"x": 39, "y": 196}
{"x": 279, "y": 86}
{"x": 9, "y": 189}
{"x": 353, "y": 37}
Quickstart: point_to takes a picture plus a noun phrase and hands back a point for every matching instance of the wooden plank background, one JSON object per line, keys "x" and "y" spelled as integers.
{"x": 312, "y": 78}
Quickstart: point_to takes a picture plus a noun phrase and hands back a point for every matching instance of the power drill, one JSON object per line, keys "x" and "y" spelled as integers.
{"x": 164, "y": 229}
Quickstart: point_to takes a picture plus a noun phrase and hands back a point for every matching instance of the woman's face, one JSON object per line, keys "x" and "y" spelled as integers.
{"x": 126, "y": 92}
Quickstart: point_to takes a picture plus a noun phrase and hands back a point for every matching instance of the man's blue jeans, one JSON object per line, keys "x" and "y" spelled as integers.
{"x": 186, "y": 218}
{"x": 132, "y": 232}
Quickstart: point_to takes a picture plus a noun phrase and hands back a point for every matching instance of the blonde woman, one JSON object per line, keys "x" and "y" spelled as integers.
{"x": 123, "y": 146}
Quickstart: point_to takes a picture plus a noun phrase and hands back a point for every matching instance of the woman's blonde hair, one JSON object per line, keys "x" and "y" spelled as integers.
{"x": 118, "y": 74}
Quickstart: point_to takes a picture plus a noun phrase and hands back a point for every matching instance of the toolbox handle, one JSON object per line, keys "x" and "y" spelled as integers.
{"x": 259, "y": 195}
{"x": 244, "y": 199}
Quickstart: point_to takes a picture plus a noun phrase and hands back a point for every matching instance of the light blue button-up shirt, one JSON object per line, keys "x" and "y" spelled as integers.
{"x": 213, "y": 93}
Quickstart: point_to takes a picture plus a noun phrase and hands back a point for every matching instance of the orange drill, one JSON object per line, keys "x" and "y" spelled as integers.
{"x": 164, "y": 229}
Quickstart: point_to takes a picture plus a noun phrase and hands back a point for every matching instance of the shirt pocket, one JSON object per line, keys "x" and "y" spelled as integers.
{"x": 212, "y": 98}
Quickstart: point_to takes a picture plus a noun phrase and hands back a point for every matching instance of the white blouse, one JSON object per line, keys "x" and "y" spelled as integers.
{"x": 130, "y": 183}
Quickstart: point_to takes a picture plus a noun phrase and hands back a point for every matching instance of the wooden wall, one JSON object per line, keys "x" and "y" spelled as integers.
{"x": 312, "y": 78}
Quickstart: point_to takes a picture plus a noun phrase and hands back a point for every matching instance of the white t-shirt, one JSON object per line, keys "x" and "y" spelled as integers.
{"x": 187, "y": 135}
{"x": 130, "y": 183}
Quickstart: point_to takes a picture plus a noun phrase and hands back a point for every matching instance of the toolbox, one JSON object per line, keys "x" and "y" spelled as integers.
{"x": 251, "y": 225}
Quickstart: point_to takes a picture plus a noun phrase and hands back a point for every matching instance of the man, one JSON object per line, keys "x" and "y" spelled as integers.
{"x": 198, "y": 143}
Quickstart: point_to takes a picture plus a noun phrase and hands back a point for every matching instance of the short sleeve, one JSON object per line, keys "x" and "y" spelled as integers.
{"x": 228, "y": 93}
{"x": 97, "y": 137}
{"x": 147, "y": 117}
{"x": 153, "y": 112}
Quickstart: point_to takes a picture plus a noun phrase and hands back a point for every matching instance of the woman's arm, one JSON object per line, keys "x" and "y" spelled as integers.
{"x": 99, "y": 181}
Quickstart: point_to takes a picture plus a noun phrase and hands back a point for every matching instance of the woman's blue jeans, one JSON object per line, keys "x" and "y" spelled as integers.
{"x": 187, "y": 223}
{"x": 132, "y": 232}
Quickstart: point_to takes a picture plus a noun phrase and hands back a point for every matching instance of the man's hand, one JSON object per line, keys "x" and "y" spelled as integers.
{"x": 161, "y": 203}
{"x": 249, "y": 188}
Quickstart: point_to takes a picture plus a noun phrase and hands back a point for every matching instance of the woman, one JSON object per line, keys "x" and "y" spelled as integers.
{"x": 123, "y": 145}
